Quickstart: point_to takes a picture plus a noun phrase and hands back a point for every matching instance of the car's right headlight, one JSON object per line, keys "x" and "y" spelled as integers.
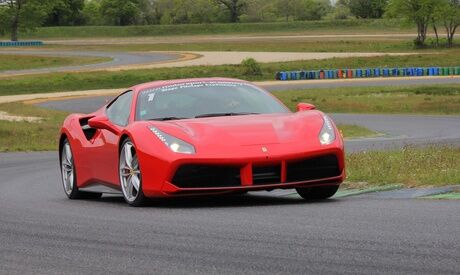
{"x": 327, "y": 134}
{"x": 174, "y": 144}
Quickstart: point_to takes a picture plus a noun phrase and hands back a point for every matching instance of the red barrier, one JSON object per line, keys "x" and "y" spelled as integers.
{"x": 350, "y": 73}
{"x": 321, "y": 74}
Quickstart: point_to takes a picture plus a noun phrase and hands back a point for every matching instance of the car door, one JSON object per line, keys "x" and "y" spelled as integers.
{"x": 105, "y": 145}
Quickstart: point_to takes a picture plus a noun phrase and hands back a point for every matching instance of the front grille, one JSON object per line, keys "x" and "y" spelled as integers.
{"x": 202, "y": 176}
{"x": 266, "y": 174}
{"x": 313, "y": 169}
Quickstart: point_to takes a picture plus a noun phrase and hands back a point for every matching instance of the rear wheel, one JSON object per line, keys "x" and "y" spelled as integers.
{"x": 317, "y": 193}
{"x": 130, "y": 175}
{"x": 69, "y": 176}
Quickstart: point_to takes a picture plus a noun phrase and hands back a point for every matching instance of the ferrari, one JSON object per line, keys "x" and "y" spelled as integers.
{"x": 197, "y": 137}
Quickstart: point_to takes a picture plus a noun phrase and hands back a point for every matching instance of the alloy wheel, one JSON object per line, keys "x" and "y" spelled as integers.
{"x": 130, "y": 175}
{"x": 67, "y": 169}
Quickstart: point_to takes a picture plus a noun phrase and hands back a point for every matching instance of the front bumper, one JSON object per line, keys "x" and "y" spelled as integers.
{"x": 249, "y": 173}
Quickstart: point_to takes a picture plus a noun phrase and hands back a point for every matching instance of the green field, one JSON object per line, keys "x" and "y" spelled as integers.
{"x": 22, "y": 62}
{"x": 371, "y": 26}
{"x": 411, "y": 167}
{"x": 120, "y": 79}
{"x": 30, "y": 136}
{"x": 264, "y": 45}
{"x": 355, "y": 131}
{"x": 424, "y": 99}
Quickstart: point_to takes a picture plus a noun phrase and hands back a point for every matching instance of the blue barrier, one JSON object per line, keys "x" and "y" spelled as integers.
{"x": 283, "y": 76}
{"x": 386, "y": 72}
{"x": 368, "y": 73}
{"x": 408, "y": 72}
{"x": 358, "y": 73}
{"x": 20, "y": 43}
{"x": 419, "y": 71}
{"x": 302, "y": 75}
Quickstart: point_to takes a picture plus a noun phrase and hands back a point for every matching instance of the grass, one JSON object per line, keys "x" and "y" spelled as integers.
{"x": 28, "y": 136}
{"x": 314, "y": 27}
{"x": 424, "y": 99}
{"x": 22, "y": 62}
{"x": 411, "y": 167}
{"x": 355, "y": 131}
{"x": 120, "y": 79}
{"x": 273, "y": 45}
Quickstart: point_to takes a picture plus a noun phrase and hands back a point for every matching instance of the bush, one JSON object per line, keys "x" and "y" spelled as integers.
{"x": 250, "y": 67}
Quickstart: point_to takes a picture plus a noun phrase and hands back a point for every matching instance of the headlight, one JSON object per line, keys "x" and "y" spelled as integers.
{"x": 327, "y": 134}
{"x": 176, "y": 145}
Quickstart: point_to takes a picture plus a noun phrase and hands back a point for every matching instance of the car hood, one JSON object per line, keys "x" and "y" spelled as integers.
{"x": 246, "y": 129}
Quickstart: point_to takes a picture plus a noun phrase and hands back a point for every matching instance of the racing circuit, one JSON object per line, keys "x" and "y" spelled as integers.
{"x": 269, "y": 232}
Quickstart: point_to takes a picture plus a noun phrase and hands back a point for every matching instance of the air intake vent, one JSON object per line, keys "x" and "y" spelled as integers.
{"x": 266, "y": 174}
{"x": 313, "y": 169}
{"x": 202, "y": 176}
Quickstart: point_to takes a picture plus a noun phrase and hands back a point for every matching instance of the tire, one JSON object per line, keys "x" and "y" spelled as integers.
{"x": 69, "y": 175}
{"x": 130, "y": 175}
{"x": 317, "y": 193}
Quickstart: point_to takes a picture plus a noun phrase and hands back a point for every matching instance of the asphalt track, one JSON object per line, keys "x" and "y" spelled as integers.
{"x": 42, "y": 232}
{"x": 118, "y": 59}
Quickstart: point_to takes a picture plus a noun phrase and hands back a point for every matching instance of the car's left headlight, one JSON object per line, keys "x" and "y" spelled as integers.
{"x": 174, "y": 144}
{"x": 327, "y": 134}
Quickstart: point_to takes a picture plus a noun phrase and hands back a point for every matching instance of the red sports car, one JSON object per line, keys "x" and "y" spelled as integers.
{"x": 200, "y": 137}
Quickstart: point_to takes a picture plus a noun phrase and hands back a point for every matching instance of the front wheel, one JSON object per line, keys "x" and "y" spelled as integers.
{"x": 317, "y": 193}
{"x": 69, "y": 176}
{"x": 130, "y": 175}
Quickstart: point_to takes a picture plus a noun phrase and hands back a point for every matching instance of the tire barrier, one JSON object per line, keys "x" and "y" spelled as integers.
{"x": 367, "y": 73}
{"x": 20, "y": 43}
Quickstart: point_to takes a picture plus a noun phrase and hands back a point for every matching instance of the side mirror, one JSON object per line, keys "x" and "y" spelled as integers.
{"x": 102, "y": 122}
{"x": 305, "y": 107}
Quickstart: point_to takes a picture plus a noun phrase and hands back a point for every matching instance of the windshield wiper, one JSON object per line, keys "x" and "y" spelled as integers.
{"x": 168, "y": 118}
{"x": 226, "y": 114}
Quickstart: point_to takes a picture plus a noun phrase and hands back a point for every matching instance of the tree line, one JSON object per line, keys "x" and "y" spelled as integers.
{"x": 18, "y": 15}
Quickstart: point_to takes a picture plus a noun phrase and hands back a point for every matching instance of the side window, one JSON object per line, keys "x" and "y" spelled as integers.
{"x": 118, "y": 111}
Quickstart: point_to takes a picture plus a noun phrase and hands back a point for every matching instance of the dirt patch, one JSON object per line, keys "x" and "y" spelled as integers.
{"x": 8, "y": 117}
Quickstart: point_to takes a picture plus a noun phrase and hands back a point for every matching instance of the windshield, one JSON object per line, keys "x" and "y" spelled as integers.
{"x": 205, "y": 99}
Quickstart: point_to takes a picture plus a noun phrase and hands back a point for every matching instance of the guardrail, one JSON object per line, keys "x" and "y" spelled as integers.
{"x": 20, "y": 43}
{"x": 366, "y": 73}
